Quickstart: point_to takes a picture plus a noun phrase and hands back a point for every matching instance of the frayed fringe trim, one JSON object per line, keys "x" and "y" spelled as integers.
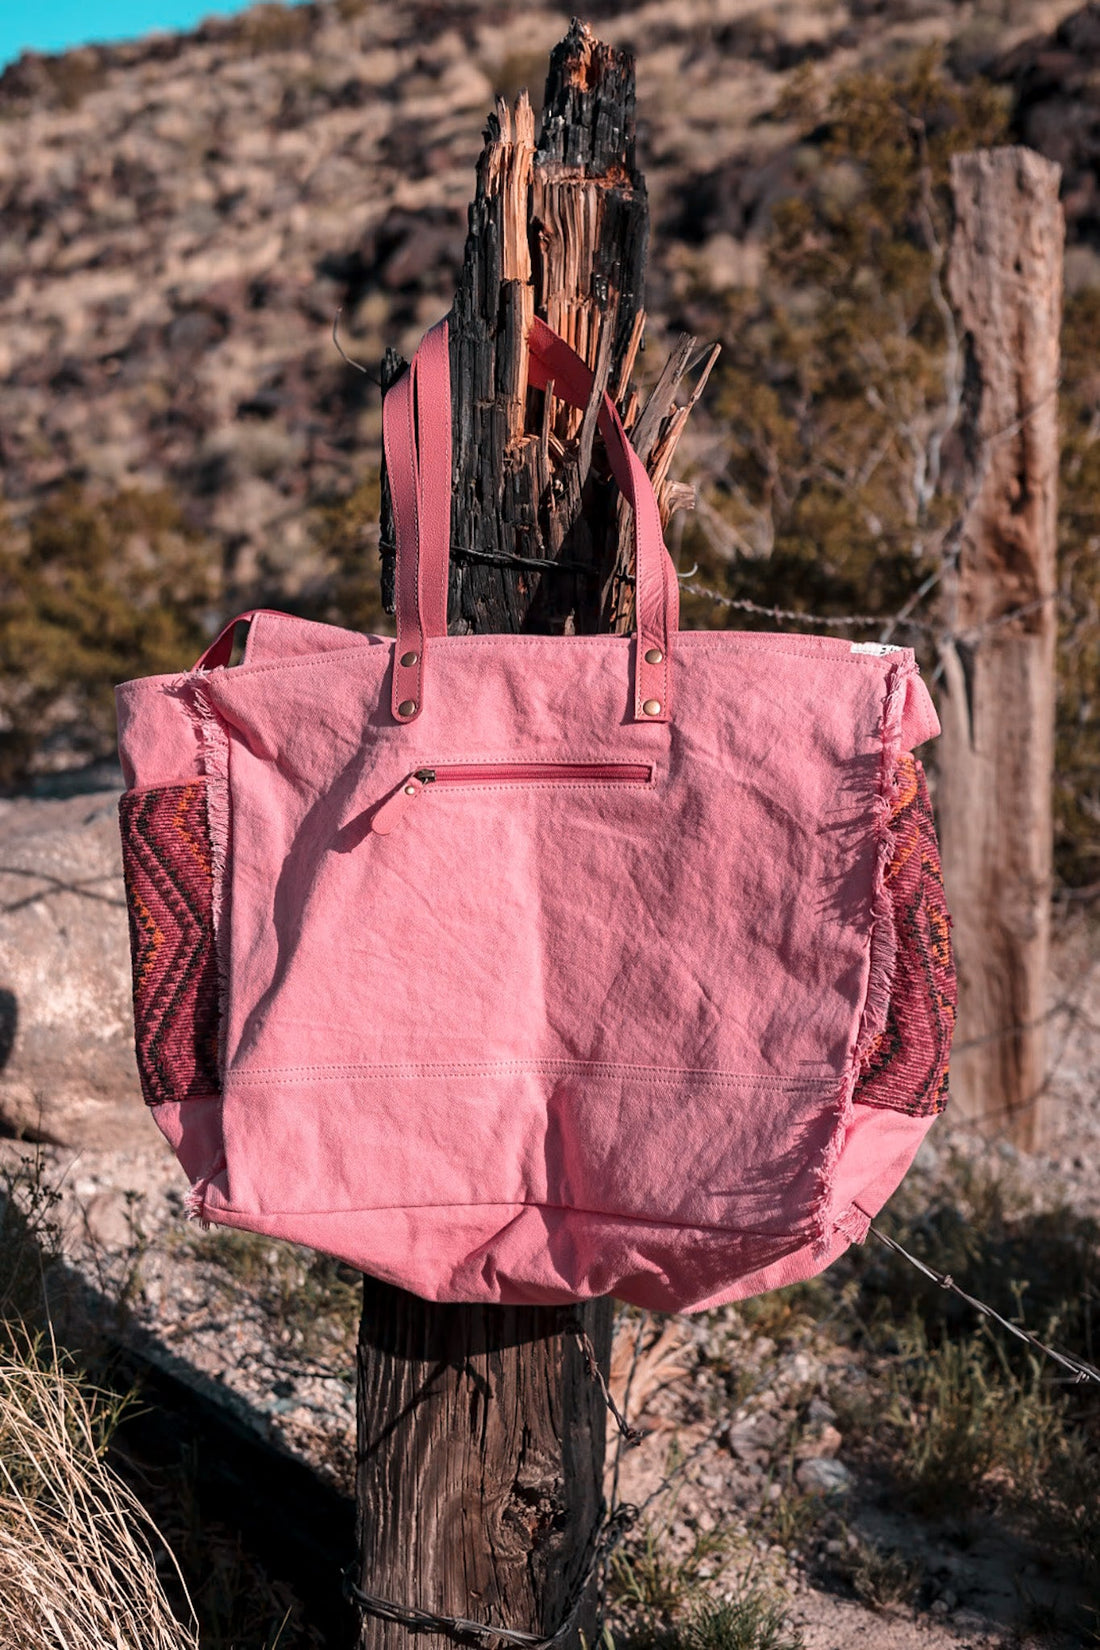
{"x": 195, "y": 1205}
{"x": 844, "y": 1103}
{"x": 853, "y": 1223}
{"x": 884, "y": 952}
{"x": 215, "y": 756}
{"x": 882, "y": 959}
{"x": 195, "y": 1202}
{"x": 215, "y": 752}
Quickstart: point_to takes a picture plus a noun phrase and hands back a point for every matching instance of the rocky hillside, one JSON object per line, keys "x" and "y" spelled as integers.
{"x": 184, "y": 216}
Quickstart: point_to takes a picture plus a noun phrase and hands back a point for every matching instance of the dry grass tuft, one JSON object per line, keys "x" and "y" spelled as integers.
{"x": 77, "y": 1564}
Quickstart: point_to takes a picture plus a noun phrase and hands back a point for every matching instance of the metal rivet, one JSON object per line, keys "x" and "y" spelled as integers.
{"x": 407, "y": 707}
{"x": 652, "y": 707}
{"x": 653, "y": 655}
{"x": 409, "y": 658}
{"x": 410, "y": 790}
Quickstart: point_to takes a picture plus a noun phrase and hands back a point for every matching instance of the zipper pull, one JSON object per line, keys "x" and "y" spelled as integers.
{"x": 386, "y": 816}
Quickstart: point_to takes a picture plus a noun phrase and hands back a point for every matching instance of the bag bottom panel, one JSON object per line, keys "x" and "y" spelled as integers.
{"x": 484, "y": 1200}
{"x": 513, "y": 1256}
{"x": 675, "y": 1149}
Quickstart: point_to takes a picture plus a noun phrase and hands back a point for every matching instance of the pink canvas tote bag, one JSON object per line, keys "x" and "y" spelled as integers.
{"x": 525, "y": 968}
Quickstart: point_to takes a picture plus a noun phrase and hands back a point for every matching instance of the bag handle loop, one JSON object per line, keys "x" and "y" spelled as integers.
{"x": 421, "y": 499}
{"x": 416, "y": 421}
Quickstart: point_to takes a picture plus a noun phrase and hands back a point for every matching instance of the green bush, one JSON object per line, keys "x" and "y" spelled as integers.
{"x": 92, "y": 592}
{"x": 346, "y": 537}
{"x": 831, "y": 381}
{"x": 960, "y": 1413}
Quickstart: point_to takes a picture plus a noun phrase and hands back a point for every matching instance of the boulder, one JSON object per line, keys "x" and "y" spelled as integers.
{"x": 67, "y": 1069}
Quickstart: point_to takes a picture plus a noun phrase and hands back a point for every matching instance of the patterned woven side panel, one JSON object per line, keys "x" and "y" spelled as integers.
{"x": 169, "y": 878}
{"x": 905, "y": 1068}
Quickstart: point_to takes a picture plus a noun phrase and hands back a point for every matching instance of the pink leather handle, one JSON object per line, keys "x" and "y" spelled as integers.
{"x": 221, "y": 647}
{"x": 421, "y": 498}
{"x": 416, "y": 420}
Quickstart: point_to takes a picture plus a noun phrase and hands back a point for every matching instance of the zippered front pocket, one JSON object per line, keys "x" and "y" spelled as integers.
{"x": 473, "y": 775}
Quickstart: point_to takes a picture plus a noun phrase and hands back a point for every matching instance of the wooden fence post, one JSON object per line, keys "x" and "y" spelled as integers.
{"x": 481, "y": 1437}
{"x": 996, "y": 756}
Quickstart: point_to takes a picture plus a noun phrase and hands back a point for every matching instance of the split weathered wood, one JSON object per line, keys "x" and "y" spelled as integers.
{"x": 997, "y": 703}
{"x": 480, "y": 1471}
{"x": 558, "y": 227}
{"x": 481, "y": 1439}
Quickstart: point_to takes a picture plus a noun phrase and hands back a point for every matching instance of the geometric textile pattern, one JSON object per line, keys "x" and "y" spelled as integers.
{"x": 166, "y": 863}
{"x": 905, "y": 1067}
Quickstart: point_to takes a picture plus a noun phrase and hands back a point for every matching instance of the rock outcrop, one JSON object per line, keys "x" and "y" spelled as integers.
{"x": 67, "y": 1071}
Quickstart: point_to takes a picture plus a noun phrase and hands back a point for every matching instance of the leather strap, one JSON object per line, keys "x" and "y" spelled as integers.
{"x": 418, "y": 461}
{"x": 656, "y": 590}
{"x": 221, "y": 647}
{"x": 416, "y": 430}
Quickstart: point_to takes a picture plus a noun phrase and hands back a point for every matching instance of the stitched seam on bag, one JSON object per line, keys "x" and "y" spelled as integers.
{"x": 164, "y": 785}
{"x": 666, "y": 1076}
{"x": 803, "y": 1235}
{"x": 194, "y": 1100}
{"x": 860, "y": 661}
{"x": 214, "y": 745}
{"x": 372, "y": 643}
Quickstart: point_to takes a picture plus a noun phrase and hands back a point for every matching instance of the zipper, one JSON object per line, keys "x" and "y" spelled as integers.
{"x": 473, "y": 774}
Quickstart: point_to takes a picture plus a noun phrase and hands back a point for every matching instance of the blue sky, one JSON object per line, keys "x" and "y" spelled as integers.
{"x": 64, "y": 23}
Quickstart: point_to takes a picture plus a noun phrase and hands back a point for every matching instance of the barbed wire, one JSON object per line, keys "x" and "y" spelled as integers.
{"x": 1080, "y": 1370}
{"x": 886, "y": 621}
{"x": 609, "y": 1532}
{"x": 592, "y": 1368}
{"x": 828, "y": 620}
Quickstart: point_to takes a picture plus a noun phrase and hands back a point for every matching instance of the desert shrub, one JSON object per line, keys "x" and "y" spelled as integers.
{"x": 91, "y": 593}
{"x": 276, "y": 28}
{"x": 346, "y": 537}
{"x": 64, "y": 1445}
{"x": 880, "y": 1577}
{"x": 96, "y": 591}
{"x": 832, "y": 378}
{"x": 835, "y": 496}
{"x": 29, "y": 1248}
{"x": 58, "y": 80}
{"x": 78, "y": 1553}
{"x": 657, "y": 1594}
{"x": 958, "y": 1412}
{"x": 753, "y": 1619}
{"x": 665, "y": 1605}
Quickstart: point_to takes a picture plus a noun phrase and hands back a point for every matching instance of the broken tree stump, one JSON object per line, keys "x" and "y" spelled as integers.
{"x": 481, "y": 1437}
{"x": 997, "y": 753}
